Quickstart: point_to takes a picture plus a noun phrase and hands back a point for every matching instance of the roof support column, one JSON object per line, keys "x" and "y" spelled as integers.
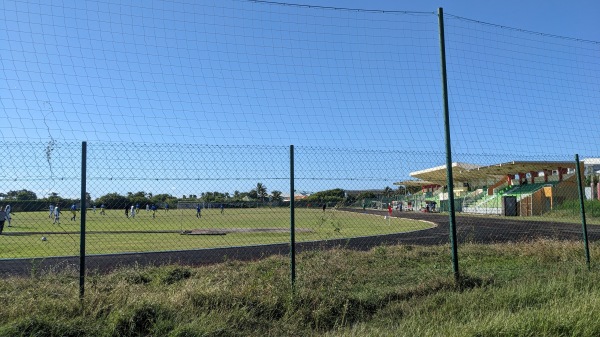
{"x": 560, "y": 174}
{"x": 533, "y": 174}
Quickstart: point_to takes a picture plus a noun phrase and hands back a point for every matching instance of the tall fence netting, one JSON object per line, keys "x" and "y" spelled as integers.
{"x": 189, "y": 109}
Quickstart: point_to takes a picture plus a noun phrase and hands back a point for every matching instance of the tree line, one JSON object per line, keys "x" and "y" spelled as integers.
{"x": 26, "y": 200}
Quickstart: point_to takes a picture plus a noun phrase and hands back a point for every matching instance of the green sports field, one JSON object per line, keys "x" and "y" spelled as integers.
{"x": 115, "y": 233}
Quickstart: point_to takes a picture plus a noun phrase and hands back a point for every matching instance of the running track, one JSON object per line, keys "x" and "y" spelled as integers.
{"x": 469, "y": 229}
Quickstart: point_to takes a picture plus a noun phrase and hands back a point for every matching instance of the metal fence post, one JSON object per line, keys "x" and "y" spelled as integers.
{"x": 82, "y": 221}
{"x": 450, "y": 180}
{"x": 582, "y": 206}
{"x": 292, "y": 220}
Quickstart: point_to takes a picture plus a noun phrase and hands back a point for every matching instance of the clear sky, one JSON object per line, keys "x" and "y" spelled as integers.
{"x": 251, "y": 78}
{"x": 577, "y": 19}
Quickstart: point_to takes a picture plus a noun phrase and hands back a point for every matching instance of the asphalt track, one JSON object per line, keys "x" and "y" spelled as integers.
{"x": 474, "y": 229}
{"x": 489, "y": 229}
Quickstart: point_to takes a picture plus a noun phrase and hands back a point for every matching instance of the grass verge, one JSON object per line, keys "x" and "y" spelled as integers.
{"x": 540, "y": 288}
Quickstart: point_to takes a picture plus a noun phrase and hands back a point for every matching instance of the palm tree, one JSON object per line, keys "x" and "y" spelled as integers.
{"x": 261, "y": 191}
{"x": 276, "y": 195}
{"x": 252, "y": 194}
{"x": 387, "y": 191}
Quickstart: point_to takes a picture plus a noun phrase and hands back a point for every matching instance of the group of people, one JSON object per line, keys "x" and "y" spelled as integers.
{"x": 131, "y": 211}
{"x": 199, "y": 210}
{"x": 55, "y": 213}
{"x": 5, "y": 216}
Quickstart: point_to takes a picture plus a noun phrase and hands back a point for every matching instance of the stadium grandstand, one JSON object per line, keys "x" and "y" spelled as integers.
{"x": 517, "y": 188}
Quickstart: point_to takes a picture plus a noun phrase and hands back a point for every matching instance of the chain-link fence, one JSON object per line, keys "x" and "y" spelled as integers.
{"x": 188, "y": 156}
{"x": 202, "y": 204}
{"x": 189, "y": 197}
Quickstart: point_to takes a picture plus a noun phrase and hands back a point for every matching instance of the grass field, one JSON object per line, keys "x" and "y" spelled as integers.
{"x": 539, "y": 288}
{"x": 115, "y": 233}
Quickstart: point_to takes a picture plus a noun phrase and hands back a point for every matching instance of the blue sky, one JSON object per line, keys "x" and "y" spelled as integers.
{"x": 259, "y": 74}
{"x": 577, "y": 19}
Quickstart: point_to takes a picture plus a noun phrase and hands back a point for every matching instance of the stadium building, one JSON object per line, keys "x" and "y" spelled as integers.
{"x": 517, "y": 188}
{"x": 592, "y": 171}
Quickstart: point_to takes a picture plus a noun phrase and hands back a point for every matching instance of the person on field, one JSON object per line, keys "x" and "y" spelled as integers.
{"x": 102, "y": 210}
{"x": 8, "y": 216}
{"x": 153, "y": 208}
{"x": 73, "y": 212}
{"x": 222, "y": 209}
{"x": 166, "y": 207}
{"x": 127, "y": 211}
{"x": 198, "y": 211}
{"x": 2, "y": 219}
{"x": 51, "y": 209}
{"x": 390, "y": 209}
{"x": 324, "y": 207}
{"x": 56, "y": 215}
{"x": 132, "y": 212}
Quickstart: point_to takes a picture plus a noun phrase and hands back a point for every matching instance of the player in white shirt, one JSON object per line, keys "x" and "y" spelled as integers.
{"x": 56, "y": 215}
{"x": 8, "y": 216}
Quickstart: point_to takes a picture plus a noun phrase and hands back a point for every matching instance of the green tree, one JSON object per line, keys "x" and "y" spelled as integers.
{"x": 208, "y": 197}
{"x": 334, "y": 195}
{"x": 138, "y": 198}
{"x": 161, "y": 199}
{"x": 387, "y": 191}
{"x": 276, "y": 195}
{"x": 113, "y": 201}
{"x": 253, "y": 194}
{"x": 366, "y": 195}
{"x": 261, "y": 191}
{"x": 54, "y": 198}
{"x": 21, "y": 195}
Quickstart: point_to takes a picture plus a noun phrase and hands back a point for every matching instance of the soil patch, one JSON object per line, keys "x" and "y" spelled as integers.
{"x": 224, "y": 231}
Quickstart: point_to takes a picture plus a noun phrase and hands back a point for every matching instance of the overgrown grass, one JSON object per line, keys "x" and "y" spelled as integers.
{"x": 540, "y": 288}
{"x": 572, "y": 209}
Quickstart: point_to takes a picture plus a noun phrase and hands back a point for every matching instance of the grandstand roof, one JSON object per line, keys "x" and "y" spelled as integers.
{"x": 437, "y": 175}
{"x": 514, "y": 167}
{"x": 411, "y": 183}
{"x": 464, "y": 172}
{"x": 591, "y": 161}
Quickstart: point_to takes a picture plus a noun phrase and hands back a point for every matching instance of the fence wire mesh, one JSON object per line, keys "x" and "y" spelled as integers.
{"x": 189, "y": 115}
{"x": 42, "y": 182}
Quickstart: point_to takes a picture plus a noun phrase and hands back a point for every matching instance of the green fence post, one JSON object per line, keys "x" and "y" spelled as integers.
{"x": 450, "y": 180}
{"x": 82, "y": 221}
{"x": 582, "y": 207}
{"x": 292, "y": 221}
